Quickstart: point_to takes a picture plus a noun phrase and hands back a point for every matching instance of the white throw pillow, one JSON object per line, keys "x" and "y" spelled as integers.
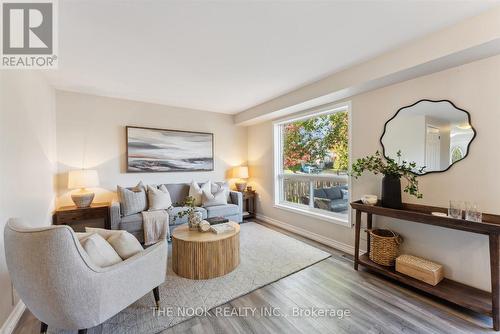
{"x": 219, "y": 198}
{"x": 196, "y": 191}
{"x": 100, "y": 251}
{"x": 221, "y": 185}
{"x": 83, "y": 235}
{"x": 159, "y": 198}
{"x": 125, "y": 244}
{"x": 102, "y": 231}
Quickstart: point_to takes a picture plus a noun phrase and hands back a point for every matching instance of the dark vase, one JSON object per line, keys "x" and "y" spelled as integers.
{"x": 391, "y": 192}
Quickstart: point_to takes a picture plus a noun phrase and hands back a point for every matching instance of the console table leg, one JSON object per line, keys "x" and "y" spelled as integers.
{"x": 495, "y": 277}
{"x": 369, "y": 225}
{"x": 356, "y": 240}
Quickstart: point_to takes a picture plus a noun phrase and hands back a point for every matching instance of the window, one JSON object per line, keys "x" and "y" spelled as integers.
{"x": 311, "y": 164}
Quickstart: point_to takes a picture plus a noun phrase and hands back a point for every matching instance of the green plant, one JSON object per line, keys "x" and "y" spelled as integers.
{"x": 389, "y": 167}
{"x": 189, "y": 202}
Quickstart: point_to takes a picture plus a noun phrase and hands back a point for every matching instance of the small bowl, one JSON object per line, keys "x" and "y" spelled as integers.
{"x": 369, "y": 199}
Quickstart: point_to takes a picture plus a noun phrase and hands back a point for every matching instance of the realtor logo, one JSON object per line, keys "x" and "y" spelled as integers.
{"x": 28, "y": 34}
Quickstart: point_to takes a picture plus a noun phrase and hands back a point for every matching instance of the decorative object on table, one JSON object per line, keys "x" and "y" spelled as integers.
{"x": 435, "y": 134}
{"x": 455, "y": 209}
{"x": 421, "y": 269}
{"x": 222, "y": 228}
{"x": 96, "y": 215}
{"x": 194, "y": 216}
{"x": 249, "y": 207}
{"x": 240, "y": 173}
{"x": 369, "y": 199}
{"x": 393, "y": 172}
{"x": 204, "y": 226}
{"x": 160, "y": 150}
{"x": 439, "y": 214}
{"x": 472, "y": 212}
{"x": 217, "y": 220}
{"x": 82, "y": 179}
{"x": 384, "y": 246}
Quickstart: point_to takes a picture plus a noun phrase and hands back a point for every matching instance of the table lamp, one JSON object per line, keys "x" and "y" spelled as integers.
{"x": 240, "y": 173}
{"x": 81, "y": 179}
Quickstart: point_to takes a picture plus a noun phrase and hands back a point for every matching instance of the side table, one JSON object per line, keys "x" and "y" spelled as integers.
{"x": 249, "y": 204}
{"x": 97, "y": 215}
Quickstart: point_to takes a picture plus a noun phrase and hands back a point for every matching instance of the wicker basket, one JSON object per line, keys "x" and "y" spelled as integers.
{"x": 384, "y": 246}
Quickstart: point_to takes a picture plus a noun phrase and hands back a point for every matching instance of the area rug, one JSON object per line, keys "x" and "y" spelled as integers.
{"x": 265, "y": 257}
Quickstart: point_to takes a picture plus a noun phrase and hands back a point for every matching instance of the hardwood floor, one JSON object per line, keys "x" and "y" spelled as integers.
{"x": 376, "y": 305}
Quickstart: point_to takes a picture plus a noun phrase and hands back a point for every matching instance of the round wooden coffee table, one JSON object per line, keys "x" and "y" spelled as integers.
{"x": 204, "y": 255}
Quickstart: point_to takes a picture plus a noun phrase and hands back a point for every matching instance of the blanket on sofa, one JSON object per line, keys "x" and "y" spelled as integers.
{"x": 155, "y": 224}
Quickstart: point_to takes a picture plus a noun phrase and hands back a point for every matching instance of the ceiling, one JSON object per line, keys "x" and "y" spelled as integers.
{"x": 228, "y": 56}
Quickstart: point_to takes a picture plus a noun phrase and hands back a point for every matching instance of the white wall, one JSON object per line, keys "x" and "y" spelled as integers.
{"x": 27, "y": 158}
{"x": 473, "y": 87}
{"x": 91, "y": 134}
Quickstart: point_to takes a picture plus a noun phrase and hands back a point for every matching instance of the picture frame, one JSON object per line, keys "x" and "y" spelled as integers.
{"x": 156, "y": 150}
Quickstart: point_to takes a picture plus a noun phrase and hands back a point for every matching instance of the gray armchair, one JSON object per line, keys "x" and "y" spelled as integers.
{"x": 56, "y": 280}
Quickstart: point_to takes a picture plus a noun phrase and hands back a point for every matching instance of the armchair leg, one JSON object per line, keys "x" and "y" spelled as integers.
{"x": 43, "y": 328}
{"x": 82, "y": 331}
{"x": 156, "y": 293}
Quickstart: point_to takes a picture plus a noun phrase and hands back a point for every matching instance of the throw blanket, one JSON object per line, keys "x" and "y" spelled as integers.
{"x": 155, "y": 225}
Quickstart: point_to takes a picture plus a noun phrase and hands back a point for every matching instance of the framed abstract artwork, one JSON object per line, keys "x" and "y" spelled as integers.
{"x": 152, "y": 150}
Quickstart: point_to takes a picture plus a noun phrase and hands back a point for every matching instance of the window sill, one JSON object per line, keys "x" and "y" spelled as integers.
{"x": 315, "y": 214}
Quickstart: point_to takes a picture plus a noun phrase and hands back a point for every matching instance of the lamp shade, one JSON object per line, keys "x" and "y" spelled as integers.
{"x": 82, "y": 178}
{"x": 240, "y": 172}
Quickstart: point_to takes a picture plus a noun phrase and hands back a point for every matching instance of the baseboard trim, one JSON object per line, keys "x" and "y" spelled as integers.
{"x": 10, "y": 324}
{"x": 308, "y": 234}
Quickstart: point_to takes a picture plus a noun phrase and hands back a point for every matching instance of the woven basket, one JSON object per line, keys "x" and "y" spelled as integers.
{"x": 384, "y": 246}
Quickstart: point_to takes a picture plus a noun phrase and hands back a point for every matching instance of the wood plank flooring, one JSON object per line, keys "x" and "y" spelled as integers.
{"x": 376, "y": 305}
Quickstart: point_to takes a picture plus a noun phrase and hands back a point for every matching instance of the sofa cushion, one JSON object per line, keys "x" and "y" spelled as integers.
{"x": 224, "y": 186}
{"x": 196, "y": 191}
{"x": 338, "y": 205}
{"x": 320, "y": 193}
{"x": 125, "y": 244}
{"x": 333, "y": 192}
{"x": 132, "y": 223}
{"x": 222, "y": 210}
{"x": 218, "y": 198}
{"x": 100, "y": 252}
{"x": 159, "y": 198}
{"x": 174, "y": 220}
{"x": 132, "y": 200}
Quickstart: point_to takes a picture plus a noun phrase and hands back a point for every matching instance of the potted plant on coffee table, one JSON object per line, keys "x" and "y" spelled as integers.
{"x": 194, "y": 217}
{"x": 393, "y": 172}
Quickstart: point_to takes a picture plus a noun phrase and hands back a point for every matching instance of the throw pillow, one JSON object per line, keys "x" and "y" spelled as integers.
{"x": 224, "y": 186}
{"x": 196, "y": 191}
{"x": 100, "y": 251}
{"x": 125, "y": 244}
{"x": 82, "y": 235}
{"x": 159, "y": 198}
{"x": 133, "y": 200}
{"x": 101, "y": 231}
{"x": 209, "y": 199}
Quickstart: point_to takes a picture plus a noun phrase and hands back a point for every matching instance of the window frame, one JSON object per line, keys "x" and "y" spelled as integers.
{"x": 279, "y": 176}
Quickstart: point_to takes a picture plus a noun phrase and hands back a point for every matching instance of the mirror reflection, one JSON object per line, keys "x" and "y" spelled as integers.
{"x": 434, "y": 134}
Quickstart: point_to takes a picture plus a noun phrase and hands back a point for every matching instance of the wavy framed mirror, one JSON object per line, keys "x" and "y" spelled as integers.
{"x": 433, "y": 134}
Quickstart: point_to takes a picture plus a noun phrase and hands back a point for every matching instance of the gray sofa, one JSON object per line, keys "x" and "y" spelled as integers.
{"x": 333, "y": 199}
{"x": 233, "y": 211}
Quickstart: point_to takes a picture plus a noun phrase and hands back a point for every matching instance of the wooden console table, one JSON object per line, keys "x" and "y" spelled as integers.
{"x": 466, "y": 296}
